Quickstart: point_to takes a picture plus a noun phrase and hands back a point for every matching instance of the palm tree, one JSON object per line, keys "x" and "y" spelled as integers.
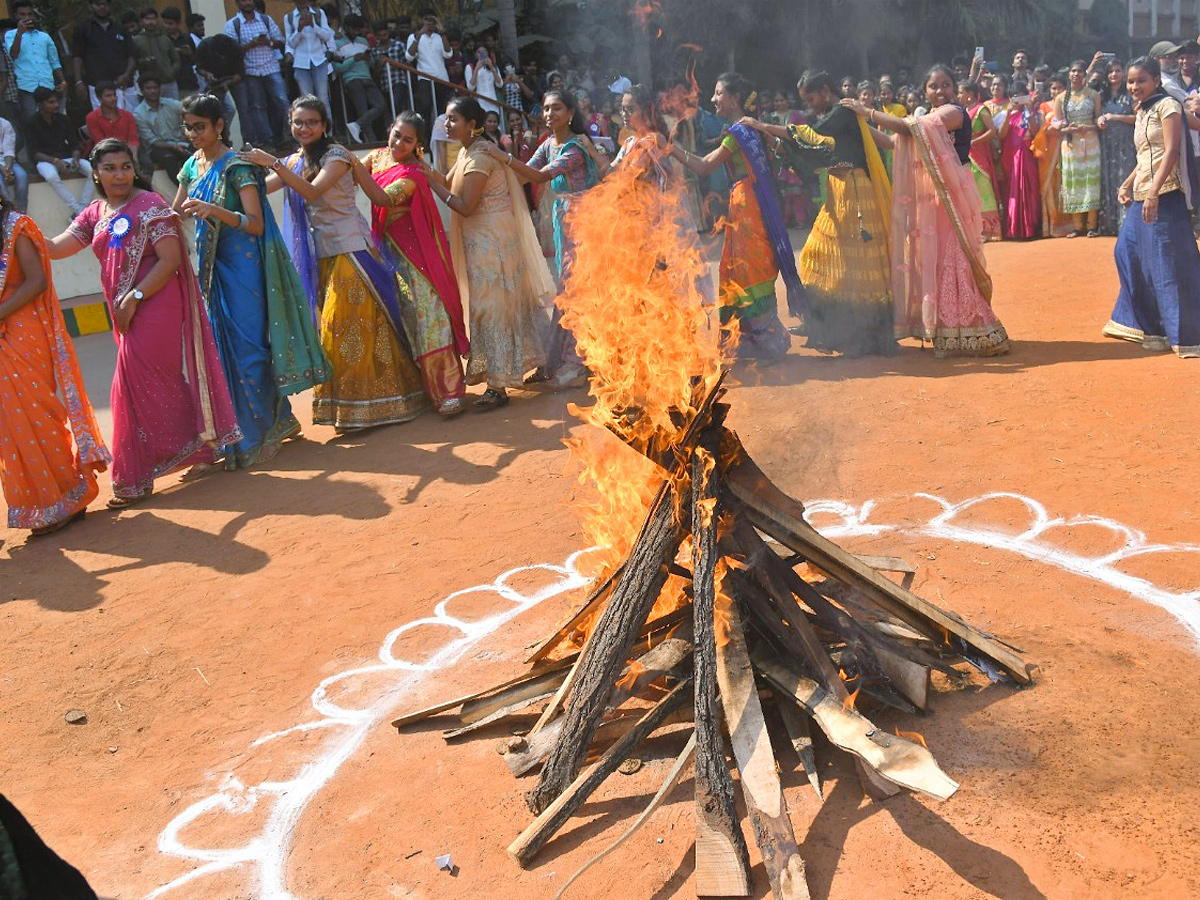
{"x": 506, "y": 11}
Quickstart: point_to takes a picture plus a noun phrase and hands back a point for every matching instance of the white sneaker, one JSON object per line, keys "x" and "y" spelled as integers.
{"x": 355, "y": 132}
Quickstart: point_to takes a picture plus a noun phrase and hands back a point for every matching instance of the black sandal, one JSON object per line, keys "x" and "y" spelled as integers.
{"x": 491, "y": 399}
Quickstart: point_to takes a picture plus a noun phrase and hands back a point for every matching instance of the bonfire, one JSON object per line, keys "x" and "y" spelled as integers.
{"x": 712, "y": 590}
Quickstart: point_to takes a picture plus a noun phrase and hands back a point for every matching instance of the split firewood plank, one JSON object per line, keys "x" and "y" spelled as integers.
{"x": 789, "y": 529}
{"x": 756, "y": 764}
{"x": 597, "y": 596}
{"x": 910, "y": 679}
{"x": 446, "y": 705}
{"x": 608, "y": 646}
{"x": 530, "y": 692}
{"x": 544, "y": 827}
{"x": 898, "y": 759}
{"x": 722, "y": 858}
{"x": 801, "y": 737}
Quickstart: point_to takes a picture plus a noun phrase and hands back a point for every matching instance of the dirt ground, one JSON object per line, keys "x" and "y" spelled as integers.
{"x": 300, "y": 605}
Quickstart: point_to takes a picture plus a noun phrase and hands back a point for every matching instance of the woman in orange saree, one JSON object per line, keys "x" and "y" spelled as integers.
{"x": 50, "y": 446}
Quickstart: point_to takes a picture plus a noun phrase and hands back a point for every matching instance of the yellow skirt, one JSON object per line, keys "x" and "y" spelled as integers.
{"x": 375, "y": 381}
{"x": 846, "y": 267}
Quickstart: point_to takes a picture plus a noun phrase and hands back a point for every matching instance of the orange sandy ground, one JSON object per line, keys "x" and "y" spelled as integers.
{"x": 190, "y": 627}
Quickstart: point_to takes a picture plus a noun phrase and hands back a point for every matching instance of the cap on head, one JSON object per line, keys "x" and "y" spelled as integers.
{"x": 1164, "y": 48}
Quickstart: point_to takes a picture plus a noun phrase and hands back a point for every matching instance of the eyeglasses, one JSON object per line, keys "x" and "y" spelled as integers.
{"x": 193, "y": 127}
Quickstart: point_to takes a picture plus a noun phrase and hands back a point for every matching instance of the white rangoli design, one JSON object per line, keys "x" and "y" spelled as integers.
{"x": 264, "y": 856}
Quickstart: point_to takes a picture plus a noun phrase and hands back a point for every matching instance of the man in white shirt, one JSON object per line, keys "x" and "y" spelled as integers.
{"x": 14, "y": 181}
{"x": 309, "y": 38}
{"x": 427, "y": 50}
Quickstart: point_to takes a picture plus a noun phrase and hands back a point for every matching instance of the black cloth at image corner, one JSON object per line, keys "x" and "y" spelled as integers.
{"x": 29, "y": 870}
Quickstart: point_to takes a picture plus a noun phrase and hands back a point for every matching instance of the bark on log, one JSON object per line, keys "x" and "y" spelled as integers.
{"x": 607, "y": 650}
{"x": 722, "y": 858}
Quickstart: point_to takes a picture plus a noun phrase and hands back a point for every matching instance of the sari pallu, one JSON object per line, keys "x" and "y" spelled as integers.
{"x": 170, "y": 404}
{"x": 940, "y": 282}
{"x": 355, "y": 301}
{"x": 258, "y": 311}
{"x": 50, "y": 448}
{"x": 414, "y": 244}
{"x": 757, "y": 250}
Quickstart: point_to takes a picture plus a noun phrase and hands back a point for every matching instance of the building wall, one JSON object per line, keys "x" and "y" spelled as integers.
{"x": 1151, "y": 20}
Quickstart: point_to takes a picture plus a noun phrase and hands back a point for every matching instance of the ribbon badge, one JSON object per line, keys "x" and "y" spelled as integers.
{"x": 117, "y": 229}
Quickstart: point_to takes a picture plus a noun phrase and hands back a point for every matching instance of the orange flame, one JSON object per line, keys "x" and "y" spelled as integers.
{"x": 632, "y": 299}
{"x": 848, "y": 703}
{"x": 628, "y": 681}
{"x": 912, "y": 736}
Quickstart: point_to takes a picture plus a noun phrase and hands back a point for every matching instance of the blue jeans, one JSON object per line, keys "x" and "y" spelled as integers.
{"x": 316, "y": 82}
{"x": 18, "y": 191}
{"x": 262, "y": 107}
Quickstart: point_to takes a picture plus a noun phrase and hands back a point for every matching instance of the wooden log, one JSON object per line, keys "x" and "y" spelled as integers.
{"x": 483, "y": 707}
{"x": 897, "y": 759}
{"x": 446, "y": 705}
{"x": 535, "y": 836}
{"x": 801, "y": 738}
{"x": 608, "y": 647}
{"x": 722, "y": 858}
{"x": 785, "y": 526}
{"x": 756, "y": 764}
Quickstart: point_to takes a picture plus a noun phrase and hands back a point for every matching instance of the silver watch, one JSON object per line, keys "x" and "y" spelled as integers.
{"x": 137, "y": 295}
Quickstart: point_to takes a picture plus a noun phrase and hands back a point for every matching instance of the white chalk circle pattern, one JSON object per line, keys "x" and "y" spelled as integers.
{"x": 264, "y": 856}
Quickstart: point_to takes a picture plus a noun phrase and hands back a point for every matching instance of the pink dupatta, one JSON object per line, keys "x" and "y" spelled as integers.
{"x": 421, "y": 238}
{"x": 940, "y": 281}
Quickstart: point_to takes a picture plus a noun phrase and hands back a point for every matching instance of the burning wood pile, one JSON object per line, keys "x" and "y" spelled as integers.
{"x": 719, "y": 594}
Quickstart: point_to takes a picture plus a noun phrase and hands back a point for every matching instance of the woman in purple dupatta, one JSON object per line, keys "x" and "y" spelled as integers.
{"x": 170, "y": 403}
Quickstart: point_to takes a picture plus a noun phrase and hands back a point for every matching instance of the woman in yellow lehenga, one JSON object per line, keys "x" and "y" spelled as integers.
{"x": 1047, "y": 147}
{"x": 757, "y": 247}
{"x": 845, "y": 264}
{"x": 354, "y": 295}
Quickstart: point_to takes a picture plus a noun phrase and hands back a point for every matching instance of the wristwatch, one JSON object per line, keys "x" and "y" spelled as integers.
{"x": 137, "y": 295}
{"x": 277, "y": 165}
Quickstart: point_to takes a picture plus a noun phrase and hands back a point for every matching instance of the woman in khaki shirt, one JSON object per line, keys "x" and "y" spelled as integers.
{"x": 1157, "y": 259}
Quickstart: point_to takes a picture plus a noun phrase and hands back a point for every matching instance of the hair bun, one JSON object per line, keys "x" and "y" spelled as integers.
{"x": 750, "y": 101}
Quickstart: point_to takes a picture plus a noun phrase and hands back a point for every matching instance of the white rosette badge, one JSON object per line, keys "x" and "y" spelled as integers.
{"x": 117, "y": 229}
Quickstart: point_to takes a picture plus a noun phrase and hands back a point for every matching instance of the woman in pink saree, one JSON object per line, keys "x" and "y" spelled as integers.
{"x": 1023, "y": 206}
{"x": 170, "y": 404}
{"x": 940, "y": 282}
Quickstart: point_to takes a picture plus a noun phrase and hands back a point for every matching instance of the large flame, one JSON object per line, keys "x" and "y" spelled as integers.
{"x": 633, "y": 300}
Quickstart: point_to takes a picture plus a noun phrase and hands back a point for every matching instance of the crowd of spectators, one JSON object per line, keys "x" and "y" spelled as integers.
{"x": 123, "y": 73}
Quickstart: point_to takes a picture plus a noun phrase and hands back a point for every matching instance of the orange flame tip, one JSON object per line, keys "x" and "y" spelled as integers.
{"x": 912, "y": 736}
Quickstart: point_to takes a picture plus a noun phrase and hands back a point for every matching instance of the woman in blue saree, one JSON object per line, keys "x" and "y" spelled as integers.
{"x": 259, "y": 310}
{"x": 569, "y": 162}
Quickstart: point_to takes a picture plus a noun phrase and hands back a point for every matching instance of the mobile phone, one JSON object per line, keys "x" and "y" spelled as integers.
{"x": 979, "y": 53}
